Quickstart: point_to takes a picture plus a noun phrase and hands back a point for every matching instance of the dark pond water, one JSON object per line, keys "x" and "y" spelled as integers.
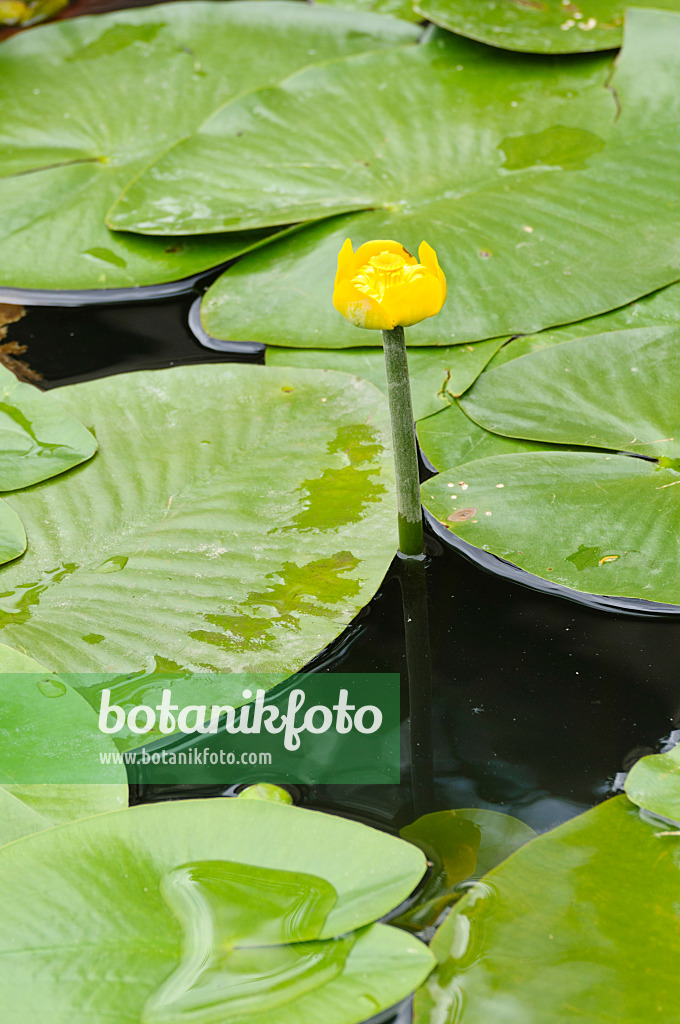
{"x": 538, "y": 702}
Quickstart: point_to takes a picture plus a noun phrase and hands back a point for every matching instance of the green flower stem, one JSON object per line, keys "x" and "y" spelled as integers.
{"x": 409, "y": 510}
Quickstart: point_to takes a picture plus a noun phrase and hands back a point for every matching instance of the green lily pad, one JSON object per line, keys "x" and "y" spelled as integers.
{"x": 38, "y": 439}
{"x": 538, "y": 26}
{"x": 437, "y": 376}
{"x": 206, "y": 910}
{"x": 395, "y": 8}
{"x": 107, "y": 95}
{"x": 540, "y": 141}
{"x": 31, "y": 720}
{"x": 653, "y": 783}
{"x": 461, "y": 845}
{"x": 596, "y": 523}
{"x": 615, "y": 390}
{"x": 579, "y": 924}
{"x": 450, "y": 438}
{"x": 236, "y": 518}
{"x": 660, "y": 309}
{"x": 30, "y": 808}
{"x": 12, "y": 534}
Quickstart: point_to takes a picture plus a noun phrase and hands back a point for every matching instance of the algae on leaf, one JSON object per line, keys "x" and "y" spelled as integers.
{"x": 236, "y": 518}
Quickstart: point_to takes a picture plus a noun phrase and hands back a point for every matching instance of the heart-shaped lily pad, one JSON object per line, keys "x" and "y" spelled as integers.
{"x": 540, "y": 141}
{"x": 45, "y": 727}
{"x": 12, "y": 534}
{"x": 660, "y": 309}
{"x": 450, "y": 438}
{"x": 597, "y": 523}
{"x": 615, "y": 390}
{"x": 538, "y": 26}
{"x": 38, "y": 439}
{"x": 396, "y": 8}
{"x": 235, "y": 518}
{"x": 437, "y": 375}
{"x": 580, "y": 924}
{"x": 107, "y": 95}
{"x": 207, "y": 910}
{"x": 653, "y": 783}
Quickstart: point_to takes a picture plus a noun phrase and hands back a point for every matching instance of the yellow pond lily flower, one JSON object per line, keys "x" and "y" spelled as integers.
{"x": 382, "y": 286}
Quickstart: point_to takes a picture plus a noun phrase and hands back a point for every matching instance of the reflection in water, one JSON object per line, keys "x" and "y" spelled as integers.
{"x": 238, "y": 923}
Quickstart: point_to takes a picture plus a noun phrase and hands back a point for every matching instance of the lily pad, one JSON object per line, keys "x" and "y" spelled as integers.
{"x": 107, "y": 95}
{"x": 462, "y": 845}
{"x": 450, "y": 438}
{"x": 38, "y": 439}
{"x": 31, "y": 724}
{"x": 580, "y": 924}
{"x": 653, "y": 783}
{"x": 207, "y": 909}
{"x": 541, "y": 141}
{"x": 395, "y": 8}
{"x": 236, "y": 518}
{"x": 660, "y": 309}
{"x": 597, "y": 523}
{"x": 538, "y": 26}
{"x": 437, "y": 376}
{"x": 12, "y": 534}
{"x": 614, "y": 391}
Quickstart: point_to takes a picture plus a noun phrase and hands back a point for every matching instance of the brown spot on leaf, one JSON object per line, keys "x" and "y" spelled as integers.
{"x": 461, "y": 515}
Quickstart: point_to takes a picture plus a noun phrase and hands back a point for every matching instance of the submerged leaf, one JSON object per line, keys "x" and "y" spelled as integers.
{"x": 579, "y": 924}
{"x": 461, "y": 845}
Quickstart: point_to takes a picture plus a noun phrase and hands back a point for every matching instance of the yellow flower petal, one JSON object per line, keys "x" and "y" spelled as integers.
{"x": 382, "y": 286}
{"x": 374, "y": 248}
{"x": 360, "y": 309}
{"x": 345, "y": 261}
{"x": 428, "y": 258}
{"x": 415, "y": 300}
